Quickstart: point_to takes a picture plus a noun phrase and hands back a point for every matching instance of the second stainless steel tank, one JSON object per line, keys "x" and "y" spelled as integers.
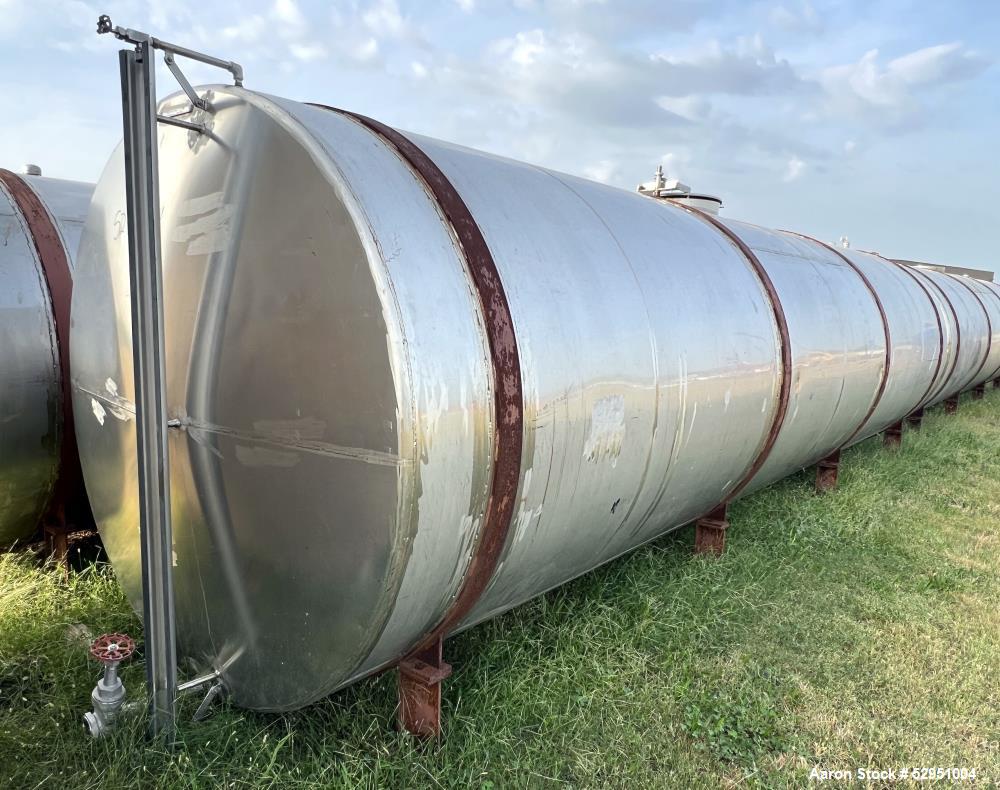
{"x": 40, "y": 224}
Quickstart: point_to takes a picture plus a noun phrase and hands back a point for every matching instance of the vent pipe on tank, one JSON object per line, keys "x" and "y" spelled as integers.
{"x": 671, "y": 189}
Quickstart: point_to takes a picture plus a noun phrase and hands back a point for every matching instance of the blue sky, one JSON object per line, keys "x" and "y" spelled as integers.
{"x": 877, "y": 119}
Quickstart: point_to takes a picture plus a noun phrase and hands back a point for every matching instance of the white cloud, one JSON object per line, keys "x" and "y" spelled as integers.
{"x": 891, "y": 95}
{"x": 798, "y": 18}
{"x": 248, "y": 30}
{"x": 581, "y": 76}
{"x": 605, "y": 171}
{"x": 308, "y": 52}
{"x": 288, "y": 12}
{"x": 793, "y": 170}
{"x": 384, "y": 19}
{"x": 466, "y": 5}
{"x": 419, "y": 69}
{"x": 366, "y": 51}
{"x": 691, "y": 108}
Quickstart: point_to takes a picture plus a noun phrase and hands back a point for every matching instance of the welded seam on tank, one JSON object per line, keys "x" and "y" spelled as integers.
{"x": 958, "y": 336}
{"x": 940, "y": 327}
{"x": 505, "y": 359}
{"x": 785, "y": 387}
{"x": 885, "y": 327}
{"x": 286, "y": 442}
{"x": 989, "y": 329}
{"x": 51, "y": 251}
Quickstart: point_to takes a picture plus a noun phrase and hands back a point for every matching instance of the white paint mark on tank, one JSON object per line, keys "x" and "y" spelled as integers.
{"x": 207, "y": 234}
{"x": 728, "y": 397}
{"x": 607, "y": 429}
{"x": 98, "y": 409}
{"x": 111, "y": 387}
{"x": 201, "y": 205}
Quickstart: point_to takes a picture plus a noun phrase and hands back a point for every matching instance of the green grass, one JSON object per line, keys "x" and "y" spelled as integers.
{"x": 859, "y": 629}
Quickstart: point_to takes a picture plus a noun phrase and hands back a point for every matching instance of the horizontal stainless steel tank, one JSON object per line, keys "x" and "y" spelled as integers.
{"x": 40, "y": 224}
{"x": 412, "y": 385}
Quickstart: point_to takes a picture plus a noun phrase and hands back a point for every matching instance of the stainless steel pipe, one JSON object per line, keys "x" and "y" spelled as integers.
{"x": 40, "y": 224}
{"x": 412, "y": 385}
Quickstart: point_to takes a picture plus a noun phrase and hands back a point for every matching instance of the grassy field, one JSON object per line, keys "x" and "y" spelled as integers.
{"x": 860, "y": 629}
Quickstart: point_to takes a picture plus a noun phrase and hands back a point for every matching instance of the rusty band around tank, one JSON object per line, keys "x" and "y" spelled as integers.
{"x": 885, "y": 327}
{"x": 505, "y": 359}
{"x": 989, "y": 287}
{"x": 958, "y": 332}
{"x": 785, "y": 386}
{"x": 59, "y": 281}
{"x": 937, "y": 318}
{"x": 989, "y": 329}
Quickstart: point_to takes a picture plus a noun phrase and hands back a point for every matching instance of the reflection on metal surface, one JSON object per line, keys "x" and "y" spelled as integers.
{"x": 337, "y": 411}
{"x": 40, "y": 224}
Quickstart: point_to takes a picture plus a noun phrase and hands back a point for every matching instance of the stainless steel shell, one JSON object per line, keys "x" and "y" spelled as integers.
{"x": 332, "y": 395}
{"x": 31, "y": 407}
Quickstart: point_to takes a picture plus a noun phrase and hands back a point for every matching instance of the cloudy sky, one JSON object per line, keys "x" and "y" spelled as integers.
{"x": 875, "y": 119}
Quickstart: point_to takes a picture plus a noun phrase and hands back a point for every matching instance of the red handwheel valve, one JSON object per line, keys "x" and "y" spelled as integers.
{"x": 109, "y": 693}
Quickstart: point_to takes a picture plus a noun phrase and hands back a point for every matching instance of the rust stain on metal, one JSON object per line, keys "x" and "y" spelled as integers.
{"x": 885, "y": 327}
{"x": 893, "y": 437}
{"x": 710, "y": 531}
{"x": 958, "y": 327}
{"x": 59, "y": 279}
{"x": 937, "y": 318}
{"x": 827, "y": 471}
{"x": 997, "y": 295}
{"x": 506, "y": 365}
{"x": 785, "y": 387}
{"x": 420, "y": 677}
{"x": 989, "y": 326}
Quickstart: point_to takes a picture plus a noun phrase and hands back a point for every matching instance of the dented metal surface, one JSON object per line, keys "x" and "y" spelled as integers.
{"x": 40, "y": 224}
{"x": 412, "y": 385}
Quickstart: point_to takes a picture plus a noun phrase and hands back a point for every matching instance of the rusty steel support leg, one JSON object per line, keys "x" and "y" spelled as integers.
{"x": 420, "y": 676}
{"x": 57, "y": 542}
{"x": 996, "y": 384}
{"x": 916, "y": 419}
{"x": 978, "y": 392}
{"x": 951, "y": 405}
{"x": 710, "y": 532}
{"x": 55, "y": 530}
{"x": 826, "y": 472}
{"x": 893, "y": 436}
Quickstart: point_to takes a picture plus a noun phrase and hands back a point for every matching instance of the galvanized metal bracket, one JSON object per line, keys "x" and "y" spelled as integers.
{"x": 827, "y": 471}
{"x": 710, "y": 532}
{"x": 142, "y": 188}
{"x": 420, "y": 677}
{"x": 170, "y": 53}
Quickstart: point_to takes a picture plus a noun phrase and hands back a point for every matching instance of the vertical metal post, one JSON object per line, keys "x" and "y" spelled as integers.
{"x": 143, "y": 204}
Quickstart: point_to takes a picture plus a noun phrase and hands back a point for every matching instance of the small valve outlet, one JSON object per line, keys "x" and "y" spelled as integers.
{"x": 109, "y": 693}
